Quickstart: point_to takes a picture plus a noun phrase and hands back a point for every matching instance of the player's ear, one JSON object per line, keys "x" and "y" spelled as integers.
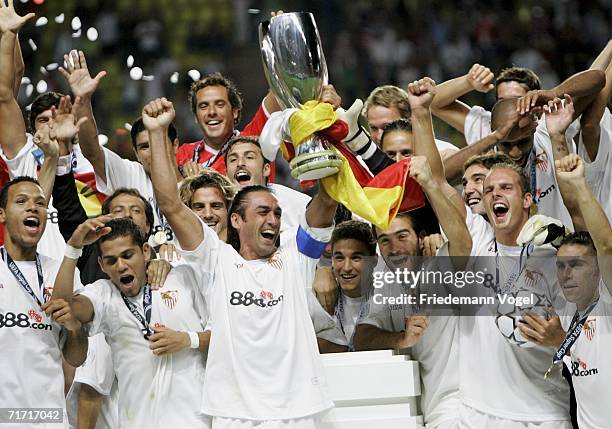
{"x": 2, "y": 216}
{"x": 236, "y": 221}
{"x": 146, "y": 250}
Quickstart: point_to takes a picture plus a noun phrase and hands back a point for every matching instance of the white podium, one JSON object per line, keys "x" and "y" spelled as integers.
{"x": 374, "y": 389}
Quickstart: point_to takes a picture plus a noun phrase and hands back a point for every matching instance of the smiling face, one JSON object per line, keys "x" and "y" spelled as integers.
{"x": 209, "y": 205}
{"x": 378, "y": 117}
{"x": 578, "y": 274}
{"x": 350, "y": 263}
{"x": 472, "y": 182}
{"x": 259, "y": 228}
{"x": 125, "y": 263}
{"x": 25, "y": 215}
{"x": 246, "y": 165}
{"x": 506, "y": 204}
{"x": 399, "y": 243}
{"x": 215, "y": 115}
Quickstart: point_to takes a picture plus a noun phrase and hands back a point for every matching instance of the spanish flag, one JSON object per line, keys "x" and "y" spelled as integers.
{"x": 377, "y": 199}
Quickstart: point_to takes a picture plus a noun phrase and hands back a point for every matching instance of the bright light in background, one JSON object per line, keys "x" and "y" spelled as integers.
{"x": 38, "y": 1}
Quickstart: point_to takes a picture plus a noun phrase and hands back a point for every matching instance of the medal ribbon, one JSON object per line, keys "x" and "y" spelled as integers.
{"x": 12, "y": 266}
{"x": 147, "y": 305}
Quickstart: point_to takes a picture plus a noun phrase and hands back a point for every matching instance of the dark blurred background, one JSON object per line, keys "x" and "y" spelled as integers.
{"x": 367, "y": 43}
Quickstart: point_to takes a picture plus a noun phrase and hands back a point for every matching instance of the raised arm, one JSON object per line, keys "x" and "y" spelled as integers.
{"x": 50, "y": 148}
{"x": 321, "y": 210}
{"x": 87, "y": 233}
{"x": 570, "y": 171}
{"x": 19, "y": 68}
{"x": 83, "y": 86}
{"x": 446, "y": 105}
{"x": 157, "y": 116}
{"x": 451, "y": 220}
{"x": 12, "y": 125}
{"x": 582, "y": 87}
{"x": 420, "y": 95}
{"x": 589, "y": 121}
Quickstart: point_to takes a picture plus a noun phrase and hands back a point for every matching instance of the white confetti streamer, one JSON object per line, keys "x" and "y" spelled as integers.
{"x": 136, "y": 73}
{"x": 174, "y": 78}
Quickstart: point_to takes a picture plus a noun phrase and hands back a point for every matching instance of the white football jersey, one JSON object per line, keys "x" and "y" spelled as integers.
{"x": 154, "y": 391}
{"x": 262, "y": 330}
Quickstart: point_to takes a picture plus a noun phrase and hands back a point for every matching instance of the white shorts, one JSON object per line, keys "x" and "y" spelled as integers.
{"x": 474, "y": 419}
{"x": 312, "y": 422}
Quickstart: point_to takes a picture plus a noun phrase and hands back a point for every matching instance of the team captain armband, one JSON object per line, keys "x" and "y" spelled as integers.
{"x": 309, "y": 246}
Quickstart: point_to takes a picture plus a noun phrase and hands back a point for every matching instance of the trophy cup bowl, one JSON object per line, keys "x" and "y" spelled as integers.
{"x": 296, "y": 71}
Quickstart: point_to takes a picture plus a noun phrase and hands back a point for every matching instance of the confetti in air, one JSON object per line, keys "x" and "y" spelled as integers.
{"x": 59, "y": 19}
{"x": 127, "y": 126}
{"x": 41, "y": 21}
{"x": 174, "y": 78}
{"x": 148, "y": 78}
{"x": 41, "y": 86}
{"x": 76, "y": 23}
{"x": 25, "y": 80}
{"x": 52, "y": 66}
{"x": 253, "y": 11}
{"x": 130, "y": 61}
{"x": 33, "y": 45}
{"x": 92, "y": 34}
{"x": 29, "y": 90}
{"x": 77, "y": 34}
{"x": 194, "y": 74}
{"x": 102, "y": 139}
{"x": 43, "y": 70}
{"x": 136, "y": 73}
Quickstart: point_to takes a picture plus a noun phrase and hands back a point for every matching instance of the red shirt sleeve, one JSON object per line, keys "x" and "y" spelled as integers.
{"x": 185, "y": 153}
{"x": 254, "y": 127}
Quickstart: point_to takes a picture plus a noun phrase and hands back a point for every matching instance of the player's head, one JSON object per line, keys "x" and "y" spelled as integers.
{"x": 516, "y": 145}
{"x": 397, "y": 140}
{"x": 577, "y": 269}
{"x": 353, "y": 256}
{"x": 254, "y": 222}
{"x": 124, "y": 253}
{"x": 128, "y": 203}
{"x": 507, "y": 199}
{"x": 23, "y": 212}
{"x": 209, "y": 195}
{"x": 40, "y": 110}
{"x": 140, "y": 142}
{"x": 516, "y": 82}
{"x": 385, "y": 104}
{"x": 245, "y": 163}
{"x": 401, "y": 241}
{"x": 475, "y": 170}
{"x": 216, "y": 104}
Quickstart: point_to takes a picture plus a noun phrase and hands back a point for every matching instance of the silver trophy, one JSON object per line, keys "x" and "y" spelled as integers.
{"x": 296, "y": 71}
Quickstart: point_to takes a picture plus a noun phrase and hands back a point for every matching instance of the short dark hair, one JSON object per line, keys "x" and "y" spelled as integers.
{"x": 521, "y": 75}
{"x": 582, "y": 238}
{"x": 40, "y": 104}
{"x": 5, "y": 190}
{"x": 244, "y": 139}
{"x": 239, "y": 206}
{"x": 138, "y": 127}
{"x": 397, "y": 125}
{"x": 415, "y": 222}
{"x": 216, "y": 79}
{"x": 133, "y": 192}
{"x": 355, "y": 230}
{"x": 123, "y": 227}
{"x": 487, "y": 160}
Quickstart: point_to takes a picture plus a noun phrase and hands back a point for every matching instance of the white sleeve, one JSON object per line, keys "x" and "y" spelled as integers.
{"x": 477, "y": 124}
{"x": 324, "y": 325}
{"x": 378, "y": 314}
{"x": 99, "y": 294}
{"x": 120, "y": 173}
{"x": 97, "y": 370}
{"x": 26, "y": 162}
{"x": 595, "y": 169}
{"x": 204, "y": 257}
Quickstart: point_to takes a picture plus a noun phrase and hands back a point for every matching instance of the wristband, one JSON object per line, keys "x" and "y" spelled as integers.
{"x": 195, "y": 340}
{"x": 72, "y": 252}
{"x": 64, "y": 165}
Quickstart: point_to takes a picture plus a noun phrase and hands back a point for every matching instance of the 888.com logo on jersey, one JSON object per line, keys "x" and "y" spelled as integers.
{"x": 32, "y": 320}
